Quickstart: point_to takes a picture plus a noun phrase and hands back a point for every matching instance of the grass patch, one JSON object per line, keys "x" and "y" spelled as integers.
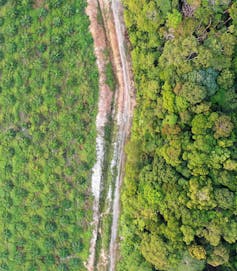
{"x": 110, "y": 76}
{"x": 100, "y": 19}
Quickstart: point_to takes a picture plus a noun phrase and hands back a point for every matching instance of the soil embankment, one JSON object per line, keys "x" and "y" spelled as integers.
{"x": 104, "y": 109}
{"x": 111, "y": 36}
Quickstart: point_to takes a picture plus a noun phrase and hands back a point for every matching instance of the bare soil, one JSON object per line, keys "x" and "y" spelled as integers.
{"x": 111, "y": 36}
{"x": 126, "y": 103}
{"x": 100, "y": 46}
{"x": 104, "y": 110}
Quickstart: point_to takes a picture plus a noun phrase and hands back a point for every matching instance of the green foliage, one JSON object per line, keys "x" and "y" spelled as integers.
{"x": 189, "y": 263}
{"x": 197, "y": 252}
{"x": 48, "y": 103}
{"x": 206, "y": 78}
{"x": 3, "y": 2}
{"x": 155, "y": 251}
{"x": 200, "y": 124}
{"x": 219, "y": 256}
{"x": 179, "y": 193}
{"x": 174, "y": 19}
{"x": 193, "y": 93}
{"x": 110, "y": 78}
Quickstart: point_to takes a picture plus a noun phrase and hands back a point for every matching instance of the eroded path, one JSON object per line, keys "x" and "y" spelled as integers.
{"x": 124, "y": 117}
{"x": 111, "y": 34}
{"x": 104, "y": 109}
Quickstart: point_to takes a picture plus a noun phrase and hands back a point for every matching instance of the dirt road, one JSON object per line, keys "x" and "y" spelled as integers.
{"x": 124, "y": 101}
{"x": 104, "y": 109}
{"x": 124, "y": 117}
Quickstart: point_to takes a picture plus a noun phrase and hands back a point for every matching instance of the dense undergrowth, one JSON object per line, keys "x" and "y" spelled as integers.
{"x": 180, "y": 190}
{"x": 48, "y": 100}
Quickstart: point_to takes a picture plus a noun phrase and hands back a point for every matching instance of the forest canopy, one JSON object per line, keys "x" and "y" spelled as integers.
{"x": 179, "y": 202}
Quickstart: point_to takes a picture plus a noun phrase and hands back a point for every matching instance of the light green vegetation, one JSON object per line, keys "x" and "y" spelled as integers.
{"x": 180, "y": 190}
{"x": 48, "y": 101}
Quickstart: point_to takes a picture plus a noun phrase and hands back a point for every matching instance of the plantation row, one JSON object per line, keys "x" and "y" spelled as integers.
{"x": 48, "y": 97}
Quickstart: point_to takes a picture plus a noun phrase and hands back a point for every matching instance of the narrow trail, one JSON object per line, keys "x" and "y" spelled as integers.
{"x": 110, "y": 35}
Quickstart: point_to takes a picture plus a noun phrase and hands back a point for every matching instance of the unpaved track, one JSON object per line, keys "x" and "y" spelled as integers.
{"x": 124, "y": 117}
{"x": 114, "y": 34}
{"x": 104, "y": 109}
